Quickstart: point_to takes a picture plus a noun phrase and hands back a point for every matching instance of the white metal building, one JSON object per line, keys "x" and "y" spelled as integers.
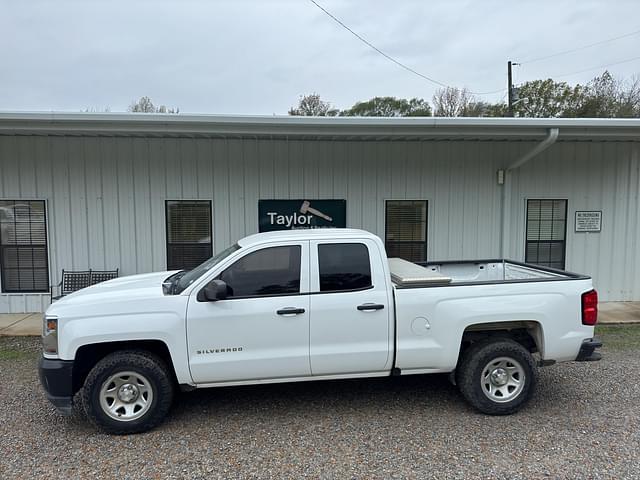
{"x": 142, "y": 192}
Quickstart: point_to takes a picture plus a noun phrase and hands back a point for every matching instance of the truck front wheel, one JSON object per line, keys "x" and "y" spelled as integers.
{"x": 497, "y": 377}
{"x": 128, "y": 392}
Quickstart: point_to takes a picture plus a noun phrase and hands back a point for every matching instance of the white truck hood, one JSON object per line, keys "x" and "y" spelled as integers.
{"x": 123, "y": 289}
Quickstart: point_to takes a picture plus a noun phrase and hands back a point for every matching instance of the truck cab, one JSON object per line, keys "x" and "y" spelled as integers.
{"x": 325, "y": 307}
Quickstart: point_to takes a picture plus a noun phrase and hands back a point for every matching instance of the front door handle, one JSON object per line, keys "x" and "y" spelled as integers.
{"x": 290, "y": 311}
{"x": 370, "y": 306}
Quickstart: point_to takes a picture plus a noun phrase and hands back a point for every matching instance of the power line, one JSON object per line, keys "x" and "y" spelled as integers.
{"x": 436, "y": 82}
{"x": 599, "y": 66}
{"x": 500, "y": 90}
{"x": 584, "y": 47}
{"x": 389, "y": 57}
{"x": 593, "y": 68}
{"x": 370, "y": 45}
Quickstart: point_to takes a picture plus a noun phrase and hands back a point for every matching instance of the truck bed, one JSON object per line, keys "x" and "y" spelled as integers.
{"x": 406, "y": 274}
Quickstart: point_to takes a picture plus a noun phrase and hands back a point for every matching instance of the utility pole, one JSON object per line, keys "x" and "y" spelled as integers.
{"x": 511, "y": 90}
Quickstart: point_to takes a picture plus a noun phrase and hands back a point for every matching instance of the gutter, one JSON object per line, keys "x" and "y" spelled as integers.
{"x": 552, "y": 136}
{"x": 317, "y": 128}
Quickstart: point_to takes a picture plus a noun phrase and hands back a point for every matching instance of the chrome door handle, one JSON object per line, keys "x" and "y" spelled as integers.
{"x": 290, "y": 311}
{"x": 370, "y": 306}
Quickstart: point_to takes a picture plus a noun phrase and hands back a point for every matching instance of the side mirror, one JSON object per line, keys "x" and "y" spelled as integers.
{"x": 213, "y": 291}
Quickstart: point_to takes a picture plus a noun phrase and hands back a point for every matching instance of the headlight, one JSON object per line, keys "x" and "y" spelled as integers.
{"x": 50, "y": 335}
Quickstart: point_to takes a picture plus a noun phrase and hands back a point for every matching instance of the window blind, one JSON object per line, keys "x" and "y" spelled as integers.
{"x": 188, "y": 233}
{"x": 546, "y": 233}
{"x": 24, "y": 263}
{"x": 406, "y": 229}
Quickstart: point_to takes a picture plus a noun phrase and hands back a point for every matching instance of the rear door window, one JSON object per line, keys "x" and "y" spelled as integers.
{"x": 344, "y": 267}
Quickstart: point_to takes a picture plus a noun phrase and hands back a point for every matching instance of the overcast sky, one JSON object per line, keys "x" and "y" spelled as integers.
{"x": 250, "y": 56}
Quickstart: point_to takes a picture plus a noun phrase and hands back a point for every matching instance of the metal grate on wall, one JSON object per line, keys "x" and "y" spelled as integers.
{"x": 24, "y": 263}
{"x": 546, "y": 233}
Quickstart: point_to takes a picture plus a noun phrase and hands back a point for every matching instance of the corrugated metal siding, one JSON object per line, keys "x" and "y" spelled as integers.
{"x": 591, "y": 176}
{"x": 106, "y": 195}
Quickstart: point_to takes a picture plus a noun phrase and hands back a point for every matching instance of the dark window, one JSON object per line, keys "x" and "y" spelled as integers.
{"x": 546, "y": 233}
{"x": 23, "y": 246}
{"x": 270, "y": 271}
{"x": 406, "y": 229}
{"x": 344, "y": 266}
{"x": 188, "y": 233}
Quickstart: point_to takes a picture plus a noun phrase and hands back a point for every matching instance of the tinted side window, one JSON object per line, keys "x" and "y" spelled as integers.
{"x": 343, "y": 266}
{"x": 270, "y": 271}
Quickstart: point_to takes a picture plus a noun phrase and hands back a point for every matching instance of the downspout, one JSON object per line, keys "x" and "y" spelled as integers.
{"x": 507, "y": 191}
{"x": 552, "y": 136}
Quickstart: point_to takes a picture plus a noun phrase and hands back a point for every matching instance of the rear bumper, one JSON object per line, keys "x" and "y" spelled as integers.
{"x": 588, "y": 350}
{"x": 56, "y": 377}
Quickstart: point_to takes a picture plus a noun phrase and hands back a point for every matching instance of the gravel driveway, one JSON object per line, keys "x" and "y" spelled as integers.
{"x": 584, "y": 422}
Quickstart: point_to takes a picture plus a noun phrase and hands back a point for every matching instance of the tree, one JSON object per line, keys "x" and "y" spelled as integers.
{"x": 145, "y": 105}
{"x": 602, "y": 97}
{"x": 496, "y": 110}
{"x": 456, "y": 102}
{"x": 605, "y": 96}
{"x": 313, "y": 106}
{"x": 480, "y": 108}
{"x": 389, "y": 107}
{"x": 630, "y": 99}
{"x": 547, "y": 98}
{"x": 417, "y": 107}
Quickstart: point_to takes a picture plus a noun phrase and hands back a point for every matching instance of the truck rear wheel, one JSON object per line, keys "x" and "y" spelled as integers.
{"x": 497, "y": 377}
{"x": 128, "y": 392}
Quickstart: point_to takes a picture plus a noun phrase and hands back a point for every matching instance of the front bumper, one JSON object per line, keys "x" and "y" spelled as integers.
{"x": 56, "y": 377}
{"x": 588, "y": 350}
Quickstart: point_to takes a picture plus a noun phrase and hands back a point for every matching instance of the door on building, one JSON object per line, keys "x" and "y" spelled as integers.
{"x": 189, "y": 235}
{"x": 267, "y": 299}
{"x": 546, "y": 232}
{"x": 350, "y": 311}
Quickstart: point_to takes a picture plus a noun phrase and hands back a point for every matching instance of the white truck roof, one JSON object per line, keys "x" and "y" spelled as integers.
{"x": 305, "y": 234}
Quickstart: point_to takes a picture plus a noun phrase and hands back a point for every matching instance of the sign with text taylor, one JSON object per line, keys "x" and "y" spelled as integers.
{"x": 293, "y": 214}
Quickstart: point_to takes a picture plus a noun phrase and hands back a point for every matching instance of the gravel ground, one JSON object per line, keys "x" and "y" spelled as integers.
{"x": 584, "y": 422}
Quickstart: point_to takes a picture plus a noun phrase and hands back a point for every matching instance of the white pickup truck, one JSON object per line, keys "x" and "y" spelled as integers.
{"x": 311, "y": 305}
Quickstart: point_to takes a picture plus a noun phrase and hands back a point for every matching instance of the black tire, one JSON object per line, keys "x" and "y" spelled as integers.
{"x": 151, "y": 379}
{"x": 486, "y": 392}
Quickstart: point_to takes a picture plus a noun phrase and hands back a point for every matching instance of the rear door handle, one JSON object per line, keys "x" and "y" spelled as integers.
{"x": 290, "y": 311}
{"x": 370, "y": 306}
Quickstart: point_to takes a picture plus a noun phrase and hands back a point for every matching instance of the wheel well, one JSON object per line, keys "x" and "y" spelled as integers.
{"x": 88, "y": 355}
{"x": 527, "y": 334}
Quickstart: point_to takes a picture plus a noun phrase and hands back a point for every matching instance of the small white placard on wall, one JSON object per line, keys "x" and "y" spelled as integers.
{"x": 589, "y": 221}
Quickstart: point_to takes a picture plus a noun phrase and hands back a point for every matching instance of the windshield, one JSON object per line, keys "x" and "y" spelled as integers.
{"x": 186, "y": 279}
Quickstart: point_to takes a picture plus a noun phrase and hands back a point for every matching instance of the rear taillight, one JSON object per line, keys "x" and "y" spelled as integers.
{"x": 590, "y": 308}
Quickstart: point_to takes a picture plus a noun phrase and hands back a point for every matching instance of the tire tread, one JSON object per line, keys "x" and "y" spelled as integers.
{"x": 476, "y": 357}
{"x": 163, "y": 396}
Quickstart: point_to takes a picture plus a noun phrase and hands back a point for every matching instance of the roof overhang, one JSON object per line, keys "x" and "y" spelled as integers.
{"x": 330, "y": 128}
